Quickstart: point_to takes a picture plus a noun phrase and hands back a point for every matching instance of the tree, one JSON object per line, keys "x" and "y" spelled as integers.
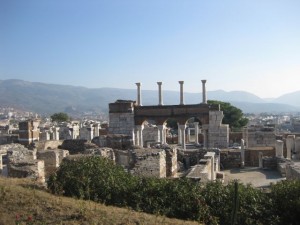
{"x": 232, "y": 115}
{"x": 60, "y": 117}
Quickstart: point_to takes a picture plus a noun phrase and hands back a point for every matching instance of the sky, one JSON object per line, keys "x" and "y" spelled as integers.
{"x": 252, "y": 46}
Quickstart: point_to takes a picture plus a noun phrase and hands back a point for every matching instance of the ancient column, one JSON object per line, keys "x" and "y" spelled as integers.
{"x": 1, "y": 164}
{"x": 137, "y": 139}
{"x": 56, "y": 133}
{"x": 188, "y": 134}
{"x": 141, "y": 136}
{"x": 182, "y": 129}
{"x": 133, "y": 136}
{"x": 161, "y": 133}
{"x": 160, "y": 101}
{"x": 290, "y": 145}
{"x": 279, "y": 148}
{"x": 297, "y": 148}
{"x": 196, "y": 124}
{"x": 242, "y": 153}
{"x": 96, "y": 130}
{"x": 165, "y": 134}
{"x": 260, "y": 160}
{"x": 204, "y": 138}
{"x": 204, "y": 100}
{"x": 181, "y": 92}
{"x": 179, "y": 134}
{"x": 91, "y": 132}
{"x": 211, "y": 156}
{"x": 139, "y": 97}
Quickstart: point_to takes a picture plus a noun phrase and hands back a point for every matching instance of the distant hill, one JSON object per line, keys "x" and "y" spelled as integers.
{"x": 291, "y": 99}
{"x": 50, "y": 98}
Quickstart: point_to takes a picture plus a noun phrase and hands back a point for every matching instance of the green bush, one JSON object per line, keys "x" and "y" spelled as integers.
{"x": 99, "y": 179}
{"x": 286, "y": 201}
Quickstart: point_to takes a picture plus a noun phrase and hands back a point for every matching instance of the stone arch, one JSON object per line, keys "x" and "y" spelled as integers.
{"x": 171, "y": 129}
{"x": 193, "y": 125}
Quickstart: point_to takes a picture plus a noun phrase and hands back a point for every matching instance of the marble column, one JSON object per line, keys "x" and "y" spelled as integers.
{"x": 133, "y": 136}
{"x": 181, "y": 92}
{"x": 139, "y": 96}
{"x": 182, "y": 129}
{"x": 179, "y": 134}
{"x": 56, "y": 134}
{"x": 260, "y": 160}
{"x": 91, "y": 132}
{"x": 196, "y": 124}
{"x": 160, "y": 100}
{"x": 96, "y": 130}
{"x": 279, "y": 148}
{"x": 290, "y": 145}
{"x": 139, "y": 135}
{"x": 204, "y": 138}
{"x": 242, "y": 153}
{"x": 188, "y": 134}
{"x": 161, "y": 133}
{"x": 297, "y": 148}
{"x": 165, "y": 134}
{"x": 1, "y": 164}
{"x": 204, "y": 100}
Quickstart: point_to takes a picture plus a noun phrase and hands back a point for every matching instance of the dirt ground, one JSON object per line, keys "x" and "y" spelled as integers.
{"x": 254, "y": 175}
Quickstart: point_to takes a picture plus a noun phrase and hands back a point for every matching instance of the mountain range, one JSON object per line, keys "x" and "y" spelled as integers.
{"x": 51, "y": 98}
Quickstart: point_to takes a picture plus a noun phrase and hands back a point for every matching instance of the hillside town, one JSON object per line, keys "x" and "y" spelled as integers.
{"x": 141, "y": 140}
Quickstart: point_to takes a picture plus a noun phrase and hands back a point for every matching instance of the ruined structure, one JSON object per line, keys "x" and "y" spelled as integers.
{"x": 24, "y": 162}
{"x": 28, "y": 131}
{"x": 258, "y": 136}
{"x": 128, "y": 117}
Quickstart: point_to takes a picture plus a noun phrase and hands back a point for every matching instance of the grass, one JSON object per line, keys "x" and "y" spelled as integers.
{"x": 23, "y": 202}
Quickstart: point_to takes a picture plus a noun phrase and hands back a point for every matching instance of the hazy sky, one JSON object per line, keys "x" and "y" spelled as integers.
{"x": 250, "y": 45}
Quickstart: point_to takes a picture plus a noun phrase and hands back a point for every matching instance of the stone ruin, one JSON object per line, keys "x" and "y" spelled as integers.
{"x": 24, "y": 162}
{"x": 282, "y": 155}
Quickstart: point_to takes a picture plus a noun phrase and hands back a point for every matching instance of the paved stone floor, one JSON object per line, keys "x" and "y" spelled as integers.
{"x": 257, "y": 177}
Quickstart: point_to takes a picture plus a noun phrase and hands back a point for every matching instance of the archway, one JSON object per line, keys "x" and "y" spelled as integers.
{"x": 193, "y": 130}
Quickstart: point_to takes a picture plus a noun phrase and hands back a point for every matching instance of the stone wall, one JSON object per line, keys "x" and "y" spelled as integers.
{"x": 44, "y": 145}
{"x": 235, "y": 137}
{"x": 150, "y": 134}
{"x": 251, "y": 155}
{"x": 51, "y": 160}
{"x": 293, "y": 171}
{"x": 230, "y": 158}
{"x": 171, "y": 162}
{"x": 77, "y": 146}
{"x": 218, "y": 133}
{"x": 200, "y": 172}
{"x": 150, "y": 163}
{"x": 115, "y": 141}
{"x": 103, "y": 152}
{"x": 121, "y": 118}
{"x": 125, "y": 158}
{"x": 9, "y": 139}
{"x": 269, "y": 163}
{"x": 259, "y": 137}
{"x": 22, "y": 162}
{"x": 34, "y": 169}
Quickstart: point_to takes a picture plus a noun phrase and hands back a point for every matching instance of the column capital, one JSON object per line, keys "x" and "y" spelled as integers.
{"x": 138, "y": 84}
{"x": 203, "y": 81}
{"x": 159, "y": 83}
{"x": 181, "y": 82}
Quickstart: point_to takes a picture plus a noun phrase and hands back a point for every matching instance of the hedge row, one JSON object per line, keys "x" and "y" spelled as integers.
{"x": 98, "y": 179}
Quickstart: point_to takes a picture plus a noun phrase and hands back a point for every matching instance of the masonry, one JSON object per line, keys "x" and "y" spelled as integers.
{"x": 128, "y": 117}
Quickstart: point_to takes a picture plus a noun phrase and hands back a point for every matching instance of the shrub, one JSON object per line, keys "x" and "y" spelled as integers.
{"x": 99, "y": 179}
{"x": 286, "y": 201}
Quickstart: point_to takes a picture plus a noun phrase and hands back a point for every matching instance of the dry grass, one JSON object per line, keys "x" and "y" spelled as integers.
{"x": 22, "y": 202}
